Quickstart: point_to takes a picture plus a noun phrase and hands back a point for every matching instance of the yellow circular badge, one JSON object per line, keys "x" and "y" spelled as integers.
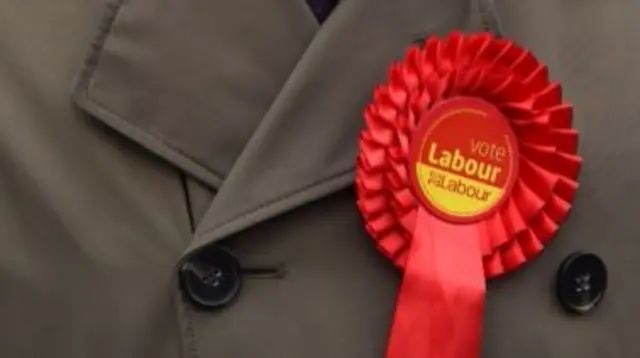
{"x": 464, "y": 159}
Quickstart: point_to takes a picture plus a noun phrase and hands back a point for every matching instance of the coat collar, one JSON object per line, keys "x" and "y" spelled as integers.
{"x": 172, "y": 80}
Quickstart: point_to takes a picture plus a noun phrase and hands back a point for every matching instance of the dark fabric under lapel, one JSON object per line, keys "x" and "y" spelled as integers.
{"x": 322, "y": 8}
{"x": 306, "y": 144}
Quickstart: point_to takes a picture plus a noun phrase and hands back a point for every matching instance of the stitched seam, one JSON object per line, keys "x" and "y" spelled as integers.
{"x": 191, "y": 333}
{"x": 188, "y": 345}
{"x": 88, "y": 75}
{"x": 282, "y": 197}
{"x": 97, "y": 45}
{"x": 158, "y": 140}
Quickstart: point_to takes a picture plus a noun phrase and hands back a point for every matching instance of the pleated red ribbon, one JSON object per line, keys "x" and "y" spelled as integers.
{"x": 445, "y": 262}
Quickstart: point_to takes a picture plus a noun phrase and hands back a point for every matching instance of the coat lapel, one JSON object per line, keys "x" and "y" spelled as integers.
{"x": 305, "y": 146}
{"x": 191, "y": 80}
{"x": 256, "y": 101}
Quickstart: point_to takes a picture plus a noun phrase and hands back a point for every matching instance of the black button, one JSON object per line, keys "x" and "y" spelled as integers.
{"x": 212, "y": 278}
{"x": 581, "y": 282}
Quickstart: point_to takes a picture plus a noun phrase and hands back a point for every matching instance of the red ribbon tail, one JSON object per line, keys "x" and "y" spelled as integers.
{"x": 439, "y": 311}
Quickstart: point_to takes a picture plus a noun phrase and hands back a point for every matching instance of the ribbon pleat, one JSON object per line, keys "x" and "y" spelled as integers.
{"x": 440, "y": 305}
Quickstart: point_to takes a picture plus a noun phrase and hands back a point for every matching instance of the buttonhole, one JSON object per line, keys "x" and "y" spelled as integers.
{"x": 272, "y": 272}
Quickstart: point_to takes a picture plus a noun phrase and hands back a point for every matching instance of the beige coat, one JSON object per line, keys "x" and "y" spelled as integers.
{"x": 139, "y": 137}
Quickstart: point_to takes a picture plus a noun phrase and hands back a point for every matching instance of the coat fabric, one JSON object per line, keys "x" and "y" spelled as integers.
{"x": 138, "y": 134}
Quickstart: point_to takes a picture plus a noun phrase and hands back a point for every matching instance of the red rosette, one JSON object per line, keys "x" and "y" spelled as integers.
{"x": 512, "y": 79}
{"x": 508, "y": 77}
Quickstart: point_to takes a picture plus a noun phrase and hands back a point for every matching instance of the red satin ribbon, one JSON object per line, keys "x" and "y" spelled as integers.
{"x": 441, "y": 302}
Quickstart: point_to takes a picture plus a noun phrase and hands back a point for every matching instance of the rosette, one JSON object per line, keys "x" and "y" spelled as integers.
{"x": 467, "y": 167}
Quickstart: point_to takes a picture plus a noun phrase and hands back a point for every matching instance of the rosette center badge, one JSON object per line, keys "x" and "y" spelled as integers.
{"x": 463, "y": 159}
